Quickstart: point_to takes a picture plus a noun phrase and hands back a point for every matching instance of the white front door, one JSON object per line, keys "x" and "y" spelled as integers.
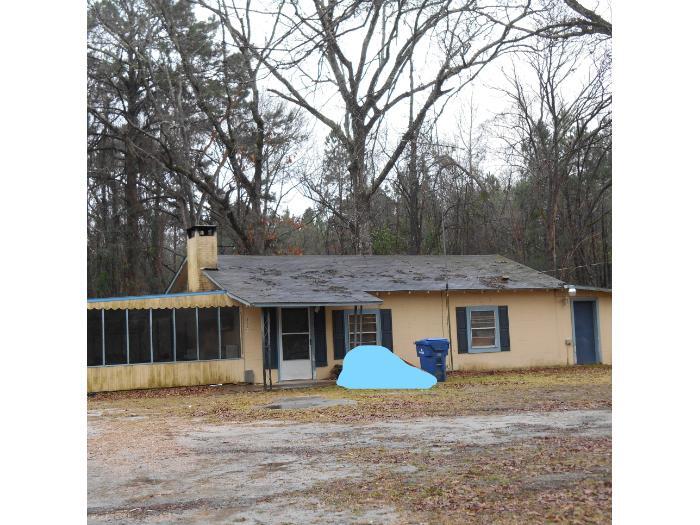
{"x": 295, "y": 344}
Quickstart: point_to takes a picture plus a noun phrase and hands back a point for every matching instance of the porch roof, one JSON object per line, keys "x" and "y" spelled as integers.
{"x": 176, "y": 300}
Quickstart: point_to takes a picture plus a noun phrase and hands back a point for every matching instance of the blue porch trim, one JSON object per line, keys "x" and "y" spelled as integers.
{"x": 157, "y": 296}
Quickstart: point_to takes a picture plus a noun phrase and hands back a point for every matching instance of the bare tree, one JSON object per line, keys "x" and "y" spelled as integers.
{"x": 358, "y": 52}
{"x": 251, "y": 137}
{"x": 586, "y": 22}
{"x": 551, "y": 133}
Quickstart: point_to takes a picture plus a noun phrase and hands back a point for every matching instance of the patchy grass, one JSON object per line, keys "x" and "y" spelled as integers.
{"x": 528, "y": 473}
{"x": 556, "y": 479}
{"x": 464, "y": 393}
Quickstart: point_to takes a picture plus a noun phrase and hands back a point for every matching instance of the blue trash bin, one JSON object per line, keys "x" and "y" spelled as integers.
{"x": 433, "y": 356}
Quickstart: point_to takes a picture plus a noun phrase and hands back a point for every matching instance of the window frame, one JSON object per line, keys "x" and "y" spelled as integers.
{"x": 174, "y": 342}
{"x": 483, "y": 349}
{"x": 346, "y": 322}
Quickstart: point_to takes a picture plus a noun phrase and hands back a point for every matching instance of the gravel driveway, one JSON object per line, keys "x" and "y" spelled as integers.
{"x": 143, "y": 470}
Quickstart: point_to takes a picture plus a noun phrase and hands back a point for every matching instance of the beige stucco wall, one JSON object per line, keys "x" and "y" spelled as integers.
{"x": 540, "y": 325}
{"x": 540, "y": 328}
{"x": 605, "y": 323}
{"x": 251, "y": 340}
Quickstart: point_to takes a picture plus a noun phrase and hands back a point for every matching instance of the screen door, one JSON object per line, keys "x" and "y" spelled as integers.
{"x": 295, "y": 344}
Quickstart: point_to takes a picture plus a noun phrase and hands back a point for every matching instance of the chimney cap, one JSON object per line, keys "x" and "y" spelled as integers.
{"x": 205, "y": 230}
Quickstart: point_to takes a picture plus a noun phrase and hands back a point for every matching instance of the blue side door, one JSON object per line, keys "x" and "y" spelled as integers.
{"x": 585, "y": 332}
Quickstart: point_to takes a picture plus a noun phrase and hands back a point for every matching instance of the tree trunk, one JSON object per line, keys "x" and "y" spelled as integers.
{"x": 361, "y": 220}
{"x": 550, "y": 240}
{"x": 131, "y": 195}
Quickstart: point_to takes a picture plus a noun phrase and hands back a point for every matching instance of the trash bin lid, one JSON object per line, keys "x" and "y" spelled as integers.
{"x": 435, "y": 343}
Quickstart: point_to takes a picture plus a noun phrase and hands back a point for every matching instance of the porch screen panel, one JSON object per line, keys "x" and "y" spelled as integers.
{"x": 139, "y": 336}
{"x": 115, "y": 337}
{"x": 230, "y": 333}
{"x": 163, "y": 336}
{"x": 186, "y": 334}
{"x": 94, "y": 337}
{"x": 208, "y": 333}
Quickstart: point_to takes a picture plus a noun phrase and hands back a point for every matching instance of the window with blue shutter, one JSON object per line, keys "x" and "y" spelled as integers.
{"x": 482, "y": 329}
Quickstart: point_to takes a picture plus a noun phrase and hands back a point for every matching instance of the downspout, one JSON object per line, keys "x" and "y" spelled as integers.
{"x": 447, "y": 289}
{"x": 449, "y": 323}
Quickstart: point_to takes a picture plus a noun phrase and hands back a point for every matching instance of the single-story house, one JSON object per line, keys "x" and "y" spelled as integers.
{"x": 229, "y": 318}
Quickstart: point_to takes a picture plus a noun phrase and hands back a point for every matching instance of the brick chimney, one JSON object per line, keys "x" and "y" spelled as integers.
{"x": 202, "y": 254}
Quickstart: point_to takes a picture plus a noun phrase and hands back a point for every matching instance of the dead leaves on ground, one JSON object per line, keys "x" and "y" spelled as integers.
{"x": 557, "y": 479}
{"x": 465, "y": 393}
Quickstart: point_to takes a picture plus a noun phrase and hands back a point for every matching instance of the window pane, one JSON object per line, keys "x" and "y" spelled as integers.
{"x": 483, "y": 332}
{"x": 363, "y": 323}
{"x": 483, "y": 319}
{"x": 369, "y": 339}
{"x": 295, "y": 320}
{"x": 185, "y": 334}
{"x": 483, "y": 341}
{"x": 230, "y": 333}
{"x": 94, "y": 337}
{"x": 115, "y": 337}
{"x": 362, "y": 329}
{"x": 295, "y": 346}
{"x": 208, "y": 333}
{"x": 162, "y": 335}
{"x": 139, "y": 337}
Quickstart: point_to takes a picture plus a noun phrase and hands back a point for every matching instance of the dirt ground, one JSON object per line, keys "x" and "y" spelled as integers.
{"x": 513, "y": 447}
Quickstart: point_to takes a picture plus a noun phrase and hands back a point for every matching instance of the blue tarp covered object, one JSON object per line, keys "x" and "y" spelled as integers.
{"x": 374, "y": 366}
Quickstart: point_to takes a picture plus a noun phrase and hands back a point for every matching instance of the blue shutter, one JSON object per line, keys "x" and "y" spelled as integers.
{"x": 320, "y": 347}
{"x": 462, "y": 336}
{"x": 504, "y": 328}
{"x": 338, "y": 334}
{"x": 387, "y": 334}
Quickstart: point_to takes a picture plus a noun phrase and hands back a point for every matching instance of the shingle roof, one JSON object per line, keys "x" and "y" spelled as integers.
{"x": 347, "y": 279}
